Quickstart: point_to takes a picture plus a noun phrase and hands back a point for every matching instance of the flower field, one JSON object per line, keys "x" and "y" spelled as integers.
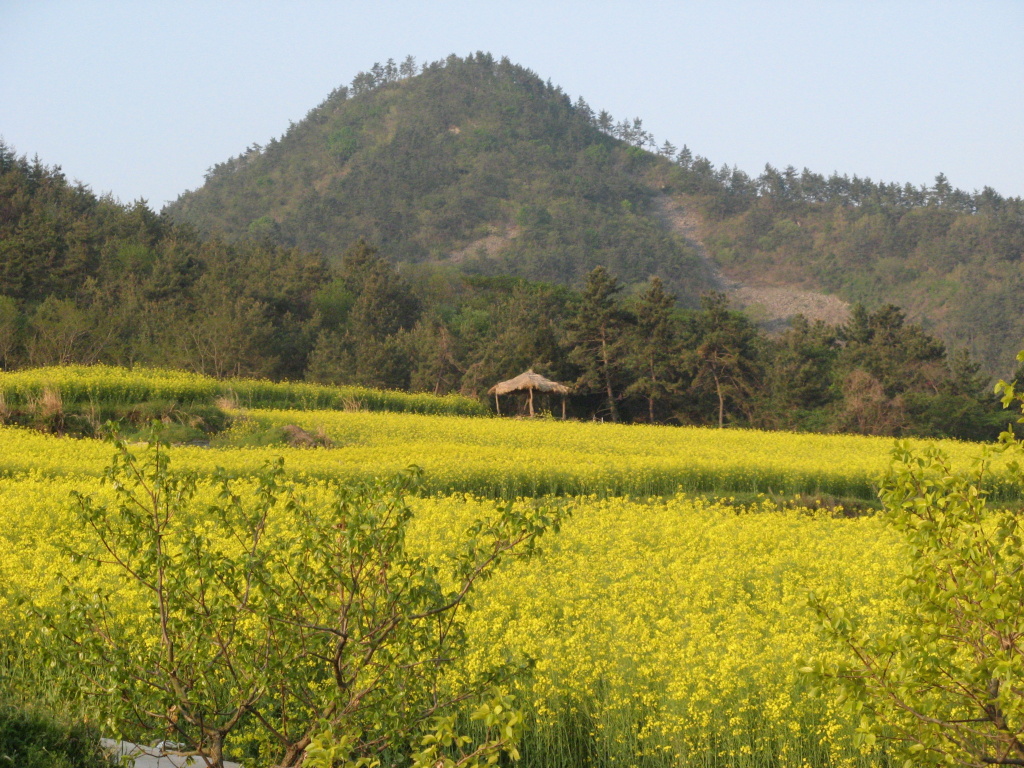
{"x": 666, "y": 633}
{"x": 661, "y": 627}
{"x": 662, "y": 633}
{"x": 504, "y": 458}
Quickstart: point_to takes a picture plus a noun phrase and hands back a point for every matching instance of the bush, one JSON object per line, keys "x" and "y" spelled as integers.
{"x": 32, "y": 740}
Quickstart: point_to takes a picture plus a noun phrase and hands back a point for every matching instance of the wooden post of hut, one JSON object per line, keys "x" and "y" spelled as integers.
{"x": 528, "y": 382}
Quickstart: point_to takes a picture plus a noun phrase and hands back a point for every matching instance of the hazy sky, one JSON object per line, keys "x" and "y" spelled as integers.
{"x": 140, "y": 98}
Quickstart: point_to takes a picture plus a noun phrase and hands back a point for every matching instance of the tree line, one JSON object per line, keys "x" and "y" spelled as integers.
{"x": 85, "y": 280}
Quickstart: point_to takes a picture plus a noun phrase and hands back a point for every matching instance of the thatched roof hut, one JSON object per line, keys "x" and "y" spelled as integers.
{"x": 528, "y": 382}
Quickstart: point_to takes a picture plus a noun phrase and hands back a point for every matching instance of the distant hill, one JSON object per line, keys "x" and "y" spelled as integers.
{"x": 474, "y": 162}
{"x": 479, "y": 165}
{"x": 951, "y": 260}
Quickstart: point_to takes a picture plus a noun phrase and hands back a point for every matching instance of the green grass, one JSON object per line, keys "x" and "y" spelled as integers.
{"x": 30, "y": 739}
{"x": 102, "y": 386}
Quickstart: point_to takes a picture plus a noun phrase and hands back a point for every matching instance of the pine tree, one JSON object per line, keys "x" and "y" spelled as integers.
{"x": 653, "y": 348}
{"x": 597, "y": 333}
{"x": 723, "y": 359}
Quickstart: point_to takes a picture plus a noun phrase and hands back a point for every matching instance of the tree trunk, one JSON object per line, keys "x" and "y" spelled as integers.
{"x": 650, "y": 395}
{"x": 294, "y": 753}
{"x": 215, "y": 750}
{"x": 608, "y": 380}
{"x": 531, "y": 402}
{"x": 721, "y": 402}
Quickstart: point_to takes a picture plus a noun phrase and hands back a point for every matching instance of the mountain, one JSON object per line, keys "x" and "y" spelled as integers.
{"x": 480, "y": 165}
{"x": 472, "y": 162}
{"x": 951, "y": 260}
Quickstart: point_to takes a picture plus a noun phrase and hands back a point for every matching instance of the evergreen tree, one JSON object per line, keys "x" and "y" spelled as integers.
{"x": 723, "y": 356}
{"x": 522, "y": 330}
{"x": 10, "y": 329}
{"x": 597, "y": 333}
{"x": 435, "y": 355}
{"x": 653, "y": 349}
{"x": 798, "y": 375}
{"x": 384, "y": 304}
{"x": 898, "y": 354}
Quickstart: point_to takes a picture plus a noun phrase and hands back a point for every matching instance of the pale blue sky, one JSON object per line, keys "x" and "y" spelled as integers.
{"x": 139, "y": 98}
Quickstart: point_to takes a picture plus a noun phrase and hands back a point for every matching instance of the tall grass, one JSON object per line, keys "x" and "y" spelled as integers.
{"x": 109, "y": 385}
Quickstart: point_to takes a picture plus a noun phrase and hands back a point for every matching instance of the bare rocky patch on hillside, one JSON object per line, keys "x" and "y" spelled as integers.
{"x": 487, "y": 246}
{"x": 771, "y": 306}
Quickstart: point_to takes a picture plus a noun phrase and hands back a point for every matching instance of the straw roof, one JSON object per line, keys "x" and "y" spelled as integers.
{"x": 528, "y": 380}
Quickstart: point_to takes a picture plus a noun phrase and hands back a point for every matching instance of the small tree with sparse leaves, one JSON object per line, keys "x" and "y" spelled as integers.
{"x": 298, "y": 622}
{"x": 946, "y": 683}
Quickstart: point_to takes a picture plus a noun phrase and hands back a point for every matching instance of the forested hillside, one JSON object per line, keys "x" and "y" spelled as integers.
{"x": 473, "y": 161}
{"x": 950, "y": 259}
{"x": 87, "y": 280}
{"x": 480, "y": 164}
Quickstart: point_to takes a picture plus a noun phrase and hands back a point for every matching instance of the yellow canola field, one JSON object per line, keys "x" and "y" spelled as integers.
{"x": 666, "y": 629}
{"x": 505, "y": 458}
{"x": 672, "y": 629}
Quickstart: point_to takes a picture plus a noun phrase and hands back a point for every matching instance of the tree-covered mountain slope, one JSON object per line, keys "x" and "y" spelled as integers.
{"x": 472, "y": 161}
{"x": 951, "y": 260}
{"x": 479, "y": 165}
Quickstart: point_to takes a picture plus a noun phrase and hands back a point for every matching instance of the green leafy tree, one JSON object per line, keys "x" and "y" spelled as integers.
{"x": 193, "y": 669}
{"x": 228, "y": 335}
{"x": 946, "y": 682}
{"x": 60, "y": 333}
{"x": 379, "y": 621}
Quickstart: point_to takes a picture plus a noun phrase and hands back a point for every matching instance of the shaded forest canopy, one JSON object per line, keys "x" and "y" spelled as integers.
{"x": 444, "y": 228}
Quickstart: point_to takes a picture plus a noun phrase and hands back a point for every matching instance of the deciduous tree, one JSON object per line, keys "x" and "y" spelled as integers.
{"x": 297, "y": 616}
{"x": 946, "y": 682}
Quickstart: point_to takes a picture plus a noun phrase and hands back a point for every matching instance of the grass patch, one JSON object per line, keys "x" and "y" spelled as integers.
{"x": 32, "y": 740}
{"x": 104, "y": 385}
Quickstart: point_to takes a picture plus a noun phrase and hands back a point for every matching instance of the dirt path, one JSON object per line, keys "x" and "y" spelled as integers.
{"x": 770, "y": 306}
